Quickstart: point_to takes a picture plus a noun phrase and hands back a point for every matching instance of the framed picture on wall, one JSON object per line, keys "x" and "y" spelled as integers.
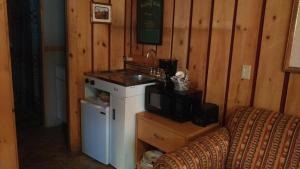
{"x": 150, "y": 21}
{"x": 101, "y": 13}
{"x": 292, "y": 55}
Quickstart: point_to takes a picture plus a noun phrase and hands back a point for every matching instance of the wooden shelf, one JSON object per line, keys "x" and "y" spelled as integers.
{"x": 187, "y": 129}
{"x": 156, "y": 132}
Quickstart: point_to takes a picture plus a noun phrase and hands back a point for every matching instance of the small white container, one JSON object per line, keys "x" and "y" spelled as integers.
{"x": 149, "y": 158}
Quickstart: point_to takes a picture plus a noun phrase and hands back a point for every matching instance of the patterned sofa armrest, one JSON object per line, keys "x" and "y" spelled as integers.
{"x": 206, "y": 152}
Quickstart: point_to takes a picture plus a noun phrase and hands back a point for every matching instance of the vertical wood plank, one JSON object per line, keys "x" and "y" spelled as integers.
{"x": 270, "y": 75}
{"x": 117, "y": 34}
{"x": 136, "y": 49}
{"x": 8, "y": 139}
{"x": 199, "y": 42}
{"x": 84, "y": 57}
{"x": 74, "y": 143}
{"x": 79, "y": 61}
{"x": 101, "y": 44}
{"x": 128, "y": 28}
{"x": 84, "y": 42}
{"x": 244, "y": 51}
{"x": 293, "y": 97}
{"x": 164, "y": 50}
{"x": 101, "y": 47}
{"x": 219, "y": 54}
{"x": 181, "y": 32}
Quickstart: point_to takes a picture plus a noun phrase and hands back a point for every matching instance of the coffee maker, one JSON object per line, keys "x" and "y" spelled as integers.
{"x": 170, "y": 68}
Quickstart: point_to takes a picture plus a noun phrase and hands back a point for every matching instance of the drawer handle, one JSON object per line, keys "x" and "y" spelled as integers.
{"x": 158, "y": 137}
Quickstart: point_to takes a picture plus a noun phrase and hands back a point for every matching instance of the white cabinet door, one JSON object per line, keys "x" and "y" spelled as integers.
{"x": 117, "y": 148}
{"x": 95, "y": 131}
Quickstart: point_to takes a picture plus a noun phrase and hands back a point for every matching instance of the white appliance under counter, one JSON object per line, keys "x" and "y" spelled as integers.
{"x": 125, "y": 103}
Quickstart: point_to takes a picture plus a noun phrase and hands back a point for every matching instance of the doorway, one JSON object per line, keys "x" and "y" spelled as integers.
{"x": 37, "y": 46}
{"x": 26, "y": 58}
{"x": 37, "y": 43}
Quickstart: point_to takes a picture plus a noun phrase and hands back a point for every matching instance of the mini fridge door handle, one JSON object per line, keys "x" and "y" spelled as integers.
{"x": 114, "y": 114}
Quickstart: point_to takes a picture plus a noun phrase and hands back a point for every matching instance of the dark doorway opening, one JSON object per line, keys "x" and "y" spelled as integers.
{"x": 39, "y": 81}
{"x": 25, "y": 40}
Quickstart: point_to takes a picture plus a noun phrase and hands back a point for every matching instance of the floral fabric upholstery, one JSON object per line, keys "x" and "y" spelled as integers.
{"x": 259, "y": 139}
{"x": 263, "y": 139}
{"x": 209, "y": 152}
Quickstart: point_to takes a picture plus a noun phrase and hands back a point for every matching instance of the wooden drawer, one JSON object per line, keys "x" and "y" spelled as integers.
{"x": 159, "y": 136}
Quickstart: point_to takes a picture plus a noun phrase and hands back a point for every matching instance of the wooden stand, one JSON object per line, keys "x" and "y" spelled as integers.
{"x": 156, "y": 132}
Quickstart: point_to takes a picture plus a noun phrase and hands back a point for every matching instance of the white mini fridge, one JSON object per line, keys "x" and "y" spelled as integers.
{"x": 95, "y": 131}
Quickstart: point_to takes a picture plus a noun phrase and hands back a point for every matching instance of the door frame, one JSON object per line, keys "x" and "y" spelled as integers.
{"x": 8, "y": 136}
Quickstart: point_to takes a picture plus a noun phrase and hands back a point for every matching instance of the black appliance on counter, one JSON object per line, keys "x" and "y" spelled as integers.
{"x": 180, "y": 106}
{"x": 208, "y": 114}
{"x": 170, "y": 68}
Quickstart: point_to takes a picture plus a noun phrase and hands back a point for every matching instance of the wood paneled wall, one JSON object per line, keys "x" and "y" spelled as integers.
{"x": 215, "y": 38}
{"x": 8, "y": 140}
{"x": 212, "y": 38}
{"x": 91, "y": 47}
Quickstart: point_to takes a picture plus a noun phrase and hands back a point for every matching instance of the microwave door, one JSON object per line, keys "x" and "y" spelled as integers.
{"x": 155, "y": 100}
{"x": 166, "y": 102}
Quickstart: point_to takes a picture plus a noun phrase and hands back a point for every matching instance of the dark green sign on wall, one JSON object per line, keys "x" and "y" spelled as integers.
{"x": 149, "y": 21}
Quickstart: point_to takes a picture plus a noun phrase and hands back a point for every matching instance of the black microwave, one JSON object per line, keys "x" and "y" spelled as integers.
{"x": 180, "y": 106}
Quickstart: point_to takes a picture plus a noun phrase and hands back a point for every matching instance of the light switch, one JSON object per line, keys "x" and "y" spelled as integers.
{"x": 246, "y": 72}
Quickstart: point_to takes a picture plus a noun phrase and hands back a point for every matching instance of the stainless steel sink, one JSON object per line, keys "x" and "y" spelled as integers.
{"x": 135, "y": 76}
{"x": 126, "y": 77}
{"x": 140, "y": 77}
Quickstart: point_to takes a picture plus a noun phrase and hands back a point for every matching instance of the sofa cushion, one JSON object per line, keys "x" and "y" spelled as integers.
{"x": 208, "y": 152}
{"x": 263, "y": 139}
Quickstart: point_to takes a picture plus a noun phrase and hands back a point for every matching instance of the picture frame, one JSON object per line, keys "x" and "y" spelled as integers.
{"x": 292, "y": 56}
{"x": 101, "y": 13}
{"x": 150, "y": 21}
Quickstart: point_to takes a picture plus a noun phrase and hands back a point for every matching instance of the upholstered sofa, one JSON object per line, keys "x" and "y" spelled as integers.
{"x": 251, "y": 138}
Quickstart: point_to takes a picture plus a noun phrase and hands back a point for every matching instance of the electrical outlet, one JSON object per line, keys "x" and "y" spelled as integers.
{"x": 246, "y": 72}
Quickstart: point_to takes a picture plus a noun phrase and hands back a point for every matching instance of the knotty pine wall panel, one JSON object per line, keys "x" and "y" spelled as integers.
{"x": 224, "y": 36}
{"x": 270, "y": 78}
{"x": 8, "y": 138}
{"x": 223, "y": 18}
{"x": 182, "y": 13}
{"x": 164, "y": 50}
{"x": 101, "y": 43}
{"x": 91, "y": 47}
{"x": 79, "y": 61}
{"x": 244, "y": 51}
{"x": 128, "y": 25}
{"x": 212, "y": 38}
{"x": 136, "y": 49}
{"x": 199, "y": 42}
{"x": 101, "y": 47}
{"x": 117, "y": 33}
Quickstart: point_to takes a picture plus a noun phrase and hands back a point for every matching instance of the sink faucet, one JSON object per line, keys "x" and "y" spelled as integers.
{"x": 154, "y": 71}
{"x": 151, "y": 53}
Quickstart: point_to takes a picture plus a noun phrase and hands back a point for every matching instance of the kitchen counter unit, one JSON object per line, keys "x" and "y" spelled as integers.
{"x": 124, "y": 78}
{"x": 127, "y": 97}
